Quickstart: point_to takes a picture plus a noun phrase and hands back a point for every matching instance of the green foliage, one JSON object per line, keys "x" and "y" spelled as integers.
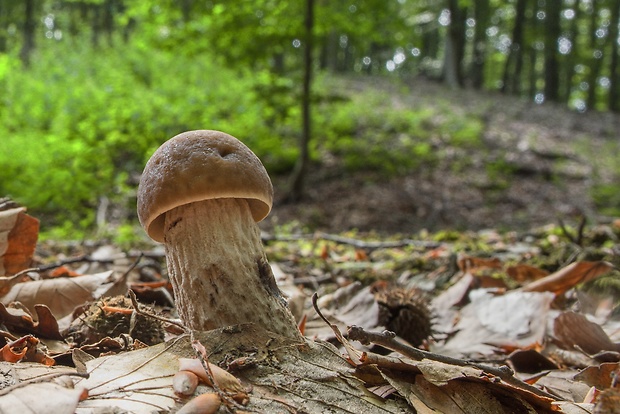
{"x": 371, "y": 133}
{"x": 76, "y": 132}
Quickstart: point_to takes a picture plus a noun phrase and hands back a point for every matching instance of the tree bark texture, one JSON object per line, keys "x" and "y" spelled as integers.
{"x": 552, "y": 67}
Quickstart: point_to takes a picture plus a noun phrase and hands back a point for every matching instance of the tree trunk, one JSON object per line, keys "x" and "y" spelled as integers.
{"x": 481, "y": 16}
{"x": 95, "y": 25}
{"x": 570, "y": 58}
{"x": 329, "y": 52}
{"x": 552, "y": 33}
{"x": 614, "y": 70}
{"x": 299, "y": 172}
{"x": 28, "y": 31}
{"x": 3, "y": 24}
{"x": 514, "y": 61}
{"x": 108, "y": 21}
{"x": 595, "y": 59}
{"x": 455, "y": 45}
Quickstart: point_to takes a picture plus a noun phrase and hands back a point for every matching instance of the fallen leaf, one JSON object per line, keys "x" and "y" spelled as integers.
{"x": 62, "y": 295}
{"x": 608, "y": 402}
{"x": 18, "y": 238}
{"x": 37, "y": 398}
{"x": 600, "y": 376}
{"x": 569, "y": 276}
{"x": 574, "y": 329}
{"x": 46, "y": 325}
{"x": 475, "y": 265}
{"x": 530, "y": 361}
{"x": 525, "y": 273}
{"x": 514, "y": 320}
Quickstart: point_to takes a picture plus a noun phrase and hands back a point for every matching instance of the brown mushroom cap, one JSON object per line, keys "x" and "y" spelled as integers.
{"x": 200, "y": 165}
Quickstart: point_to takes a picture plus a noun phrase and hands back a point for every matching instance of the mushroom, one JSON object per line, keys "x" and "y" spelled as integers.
{"x": 201, "y": 194}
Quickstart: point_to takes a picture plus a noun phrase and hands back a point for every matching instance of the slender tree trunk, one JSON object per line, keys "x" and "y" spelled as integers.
{"x": 299, "y": 172}
{"x": 3, "y": 24}
{"x": 95, "y": 25}
{"x": 534, "y": 53}
{"x": 329, "y": 52}
{"x": 108, "y": 21}
{"x": 28, "y": 32}
{"x": 481, "y": 16}
{"x": 514, "y": 61}
{"x": 552, "y": 67}
{"x": 570, "y": 58}
{"x": 595, "y": 59}
{"x": 455, "y": 45}
{"x": 614, "y": 69}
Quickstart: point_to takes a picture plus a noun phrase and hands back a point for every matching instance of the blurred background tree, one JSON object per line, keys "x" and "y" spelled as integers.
{"x": 91, "y": 87}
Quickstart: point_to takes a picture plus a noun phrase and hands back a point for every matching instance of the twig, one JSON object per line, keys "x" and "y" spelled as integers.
{"x": 575, "y": 239}
{"x": 89, "y": 259}
{"x": 78, "y": 259}
{"x": 136, "y": 306}
{"x": 133, "y": 265}
{"x": 201, "y": 354}
{"x": 20, "y": 273}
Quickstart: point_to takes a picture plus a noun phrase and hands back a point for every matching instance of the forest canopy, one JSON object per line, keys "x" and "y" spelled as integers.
{"x": 94, "y": 86}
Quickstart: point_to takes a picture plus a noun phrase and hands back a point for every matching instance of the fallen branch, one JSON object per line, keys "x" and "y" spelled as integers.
{"x": 388, "y": 340}
{"x": 360, "y": 244}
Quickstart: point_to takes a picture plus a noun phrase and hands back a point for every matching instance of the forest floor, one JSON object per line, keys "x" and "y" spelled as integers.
{"x": 480, "y": 296}
{"x": 551, "y": 159}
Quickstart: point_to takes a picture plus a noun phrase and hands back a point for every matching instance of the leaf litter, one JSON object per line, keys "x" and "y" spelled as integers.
{"x": 445, "y": 322}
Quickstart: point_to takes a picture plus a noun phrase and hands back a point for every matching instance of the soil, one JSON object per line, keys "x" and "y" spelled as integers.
{"x": 554, "y": 156}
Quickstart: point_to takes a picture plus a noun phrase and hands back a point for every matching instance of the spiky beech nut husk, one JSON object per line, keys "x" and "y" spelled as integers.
{"x": 405, "y": 312}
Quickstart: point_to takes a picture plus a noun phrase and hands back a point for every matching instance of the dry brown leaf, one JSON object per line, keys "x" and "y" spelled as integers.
{"x": 28, "y": 388}
{"x": 569, "y": 276}
{"x": 608, "y": 402}
{"x": 46, "y": 325}
{"x": 525, "y": 273}
{"x": 18, "y": 237}
{"x": 514, "y": 320}
{"x": 37, "y": 398}
{"x": 563, "y": 384}
{"x": 574, "y": 329}
{"x": 530, "y": 361}
{"x": 475, "y": 265}
{"x": 22, "y": 240}
{"x": 600, "y": 376}
{"x": 462, "y": 396}
{"x": 62, "y": 295}
{"x": 138, "y": 381}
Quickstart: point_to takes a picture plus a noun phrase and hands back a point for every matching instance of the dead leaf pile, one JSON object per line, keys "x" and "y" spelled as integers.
{"x": 500, "y": 323}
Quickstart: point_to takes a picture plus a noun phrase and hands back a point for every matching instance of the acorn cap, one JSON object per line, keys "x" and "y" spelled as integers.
{"x": 200, "y": 165}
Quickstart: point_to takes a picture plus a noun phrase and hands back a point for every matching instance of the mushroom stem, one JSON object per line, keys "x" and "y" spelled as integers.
{"x": 219, "y": 270}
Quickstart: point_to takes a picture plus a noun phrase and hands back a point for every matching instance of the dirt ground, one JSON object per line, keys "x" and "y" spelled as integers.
{"x": 555, "y": 157}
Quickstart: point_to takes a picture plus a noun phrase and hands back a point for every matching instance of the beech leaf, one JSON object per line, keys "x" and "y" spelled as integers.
{"x": 569, "y": 276}
{"x": 62, "y": 295}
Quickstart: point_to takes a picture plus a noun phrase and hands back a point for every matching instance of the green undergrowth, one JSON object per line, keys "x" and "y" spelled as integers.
{"x": 79, "y": 124}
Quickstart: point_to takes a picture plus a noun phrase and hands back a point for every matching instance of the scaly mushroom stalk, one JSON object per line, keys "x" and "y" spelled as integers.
{"x": 201, "y": 194}
{"x": 217, "y": 264}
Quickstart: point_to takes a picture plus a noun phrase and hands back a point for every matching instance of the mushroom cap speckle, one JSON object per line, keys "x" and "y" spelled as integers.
{"x": 200, "y": 165}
